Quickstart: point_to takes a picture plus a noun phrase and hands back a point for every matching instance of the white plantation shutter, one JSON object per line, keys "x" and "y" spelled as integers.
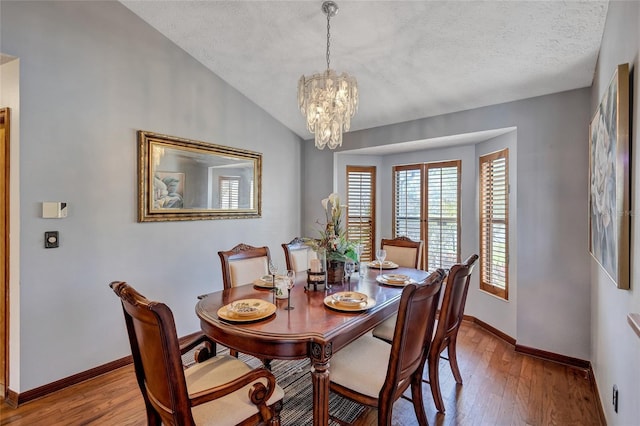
{"x": 229, "y": 192}
{"x": 443, "y": 213}
{"x": 494, "y": 223}
{"x": 407, "y": 201}
{"x": 361, "y": 187}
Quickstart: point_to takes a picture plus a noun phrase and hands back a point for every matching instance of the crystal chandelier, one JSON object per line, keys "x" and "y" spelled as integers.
{"x": 328, "y": 100}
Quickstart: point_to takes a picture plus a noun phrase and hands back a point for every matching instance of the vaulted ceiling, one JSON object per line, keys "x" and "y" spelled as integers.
{"x": 412, "y": 59}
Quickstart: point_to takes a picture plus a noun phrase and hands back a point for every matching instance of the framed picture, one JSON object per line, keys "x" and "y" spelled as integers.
{"x": 609, "y": 182}
{"x": 168, "y": 190}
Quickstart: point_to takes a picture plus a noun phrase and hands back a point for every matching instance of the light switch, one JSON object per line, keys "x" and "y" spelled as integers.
{"x": 51, "y": 239}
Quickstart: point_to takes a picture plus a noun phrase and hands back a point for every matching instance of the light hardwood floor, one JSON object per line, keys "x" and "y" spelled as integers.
{"x": 501, "y": 387}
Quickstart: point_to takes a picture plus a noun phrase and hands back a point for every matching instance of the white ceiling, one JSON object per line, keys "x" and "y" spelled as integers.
{"x": 412, "y": 59}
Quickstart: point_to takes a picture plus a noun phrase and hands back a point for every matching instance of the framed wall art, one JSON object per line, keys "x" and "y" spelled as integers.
{"x": 609, "y": 181}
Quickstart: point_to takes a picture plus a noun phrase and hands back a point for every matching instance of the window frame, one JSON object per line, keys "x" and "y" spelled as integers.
{"x": 423, "y": 169}
{"x": 484, "y": 222}
{"x": 441, "y": 165}
{"x": 369, "y": 248}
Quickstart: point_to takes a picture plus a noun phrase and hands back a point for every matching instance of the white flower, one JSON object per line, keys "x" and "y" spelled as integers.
{"x": 325, "y": 203}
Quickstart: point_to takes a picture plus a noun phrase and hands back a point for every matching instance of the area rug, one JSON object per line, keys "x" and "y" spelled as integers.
{"x": 294, "y": 378}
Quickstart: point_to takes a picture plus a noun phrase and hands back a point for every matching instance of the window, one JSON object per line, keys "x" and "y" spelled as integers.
{"x": 494, "y": 223}
{"x": 361, "y": 189}
{"x": 407, "y": 201}
{"x": 427, "y": 207}
{"x": 443, "y": 214}
{"x": 229, "y": 192}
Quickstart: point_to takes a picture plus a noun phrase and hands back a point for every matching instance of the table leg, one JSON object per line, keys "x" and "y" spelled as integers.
{"x": 320, "y": 356}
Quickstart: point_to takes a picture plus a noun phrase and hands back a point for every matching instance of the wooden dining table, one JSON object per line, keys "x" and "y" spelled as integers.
{"x": 311, "y": 330}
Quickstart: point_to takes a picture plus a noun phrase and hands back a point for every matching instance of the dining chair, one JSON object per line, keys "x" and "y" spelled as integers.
{"x": 449, "y": 320}
{"x": 216, "y": 390}
{"x": 243, "y": 264}
{"x": 371, "y": 372}
{"x": 403, "y": 251}
{"x": 297, "y": 255}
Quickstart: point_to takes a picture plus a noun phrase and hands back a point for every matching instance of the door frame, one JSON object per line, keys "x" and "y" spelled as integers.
{"x": 5, "y": 114}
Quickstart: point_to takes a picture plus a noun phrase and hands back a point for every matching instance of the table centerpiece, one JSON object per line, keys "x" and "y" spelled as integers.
{"x": 332, "y": 240}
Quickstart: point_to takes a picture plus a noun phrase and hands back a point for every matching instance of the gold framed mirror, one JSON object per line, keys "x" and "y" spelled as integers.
{"x": 183, "y": 179}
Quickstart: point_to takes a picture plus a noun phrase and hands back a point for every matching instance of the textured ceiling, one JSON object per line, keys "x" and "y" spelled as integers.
{"x": 412, "y": 59}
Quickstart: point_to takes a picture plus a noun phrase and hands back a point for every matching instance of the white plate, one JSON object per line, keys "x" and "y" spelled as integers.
{"x": 382, "y": 280}
{"x": 266, "y": 281}
{"x": 349, "y": 298}
{"x": 396, "y": 278}
{"x": 387, "y": 264}
{"x": 330, "y": 302}
{"x": 247, "y": 310}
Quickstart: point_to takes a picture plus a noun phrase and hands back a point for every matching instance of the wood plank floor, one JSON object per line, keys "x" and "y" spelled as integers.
{"x": 501, "y": 387}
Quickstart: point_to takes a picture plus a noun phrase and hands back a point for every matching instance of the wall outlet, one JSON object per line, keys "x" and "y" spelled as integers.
{"x": 615, "y": 398}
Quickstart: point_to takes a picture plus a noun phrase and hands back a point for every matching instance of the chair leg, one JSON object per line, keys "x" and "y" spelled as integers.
{"x": 434, "y": 380}
{"x": 453, "y": 359}
{"x": 153, "y": 418}
{"x": 275, "y": 419}
{"x": 267, "y": 364}
{"x": 416, "y": 398}
{"x": 233, "y": 352}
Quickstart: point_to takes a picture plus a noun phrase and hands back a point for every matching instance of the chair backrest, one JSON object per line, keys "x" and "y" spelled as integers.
{"x": 156, "y": 355}
{"x": 297, "y": 255}
{"x": 412, "y": 335}
{"x": 454, "y": 300}
{"x": 403, "y": 251}
{"x": 243, "y": 264}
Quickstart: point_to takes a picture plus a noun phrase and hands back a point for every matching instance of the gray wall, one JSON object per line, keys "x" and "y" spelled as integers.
{"x": 551, "y": 267}
{"x": 615, "y": 348}
{"x": 91, "y": 74}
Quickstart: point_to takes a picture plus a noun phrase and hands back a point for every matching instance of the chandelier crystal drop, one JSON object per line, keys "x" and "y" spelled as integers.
{"x": 328, "y": 100}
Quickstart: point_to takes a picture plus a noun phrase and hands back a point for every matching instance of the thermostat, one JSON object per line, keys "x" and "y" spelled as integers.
{"x": 54, "y": 210}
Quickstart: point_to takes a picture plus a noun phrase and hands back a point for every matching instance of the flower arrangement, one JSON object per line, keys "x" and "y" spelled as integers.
{"x": 332, "y": 236}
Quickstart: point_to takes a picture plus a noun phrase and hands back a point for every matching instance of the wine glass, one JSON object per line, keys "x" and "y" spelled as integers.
{"x": 291, "y": 277}
{"x": 273, "y": 270}
{"x": 359, "y": 254}
{"x": 380, "y": 255}
{"x": 349, "y": 268}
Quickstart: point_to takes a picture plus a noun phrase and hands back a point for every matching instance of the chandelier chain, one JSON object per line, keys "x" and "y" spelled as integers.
{"x": 328, "y": 38}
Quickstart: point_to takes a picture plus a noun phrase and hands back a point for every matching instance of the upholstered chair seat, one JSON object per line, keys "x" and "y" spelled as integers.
{"x": 230, "y": 409}
{"x": 362, "y": 365}
{"x": 385, "y": 330}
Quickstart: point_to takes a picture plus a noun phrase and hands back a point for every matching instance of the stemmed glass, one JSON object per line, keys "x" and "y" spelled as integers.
{"x": 349, "y": 268}
{"x": 291, "y": 277}
{"x": 380, "y": 256}
{"x": 273, "y": 270}
{"x": 359, "y": 254}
